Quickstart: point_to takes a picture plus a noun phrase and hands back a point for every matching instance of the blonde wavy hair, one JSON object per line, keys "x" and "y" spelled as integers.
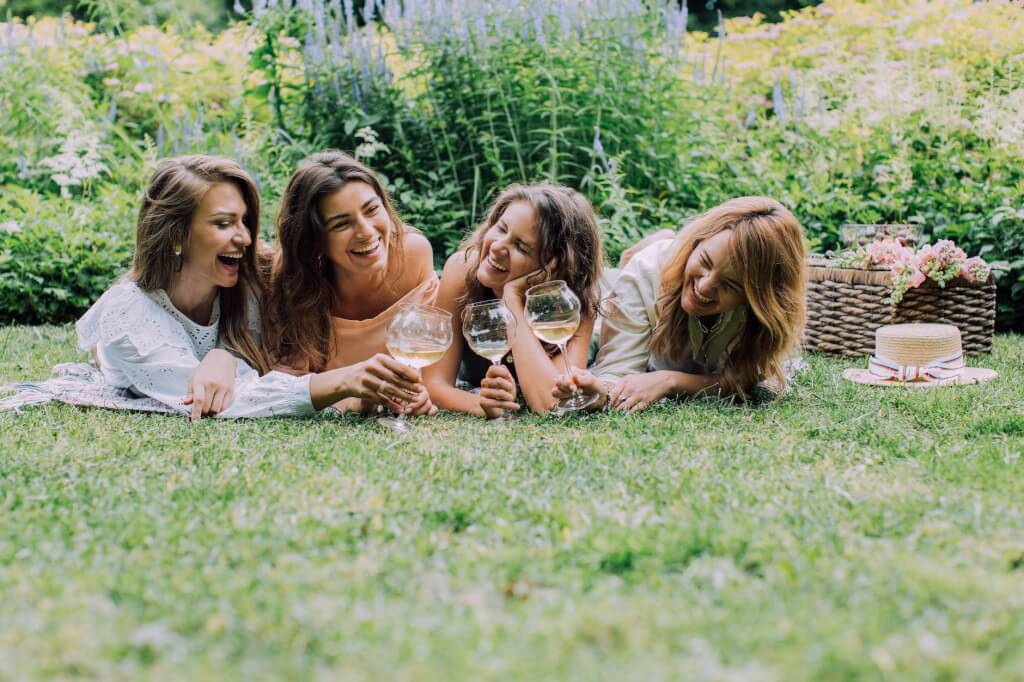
{"x": 767, "y": 245}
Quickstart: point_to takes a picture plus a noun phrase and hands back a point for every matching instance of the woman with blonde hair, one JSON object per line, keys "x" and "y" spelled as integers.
{"x": 715, "y": 310}
{"x": 532, "y": 234}
{"x": 345, "y": 263}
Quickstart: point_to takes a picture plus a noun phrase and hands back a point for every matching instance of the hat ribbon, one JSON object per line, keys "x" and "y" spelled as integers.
{"x": 937, "y": 370}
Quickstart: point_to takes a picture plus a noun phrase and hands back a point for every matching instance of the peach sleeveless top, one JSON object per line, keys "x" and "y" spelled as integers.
{"x": 357, "y": 340}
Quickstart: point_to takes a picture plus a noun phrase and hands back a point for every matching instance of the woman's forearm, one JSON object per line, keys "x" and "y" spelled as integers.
{"x": 536, "y": 371}
{"x": 448, "y": 397}
{"x": 684, "y": 384}
{"x": 327, "y": 388}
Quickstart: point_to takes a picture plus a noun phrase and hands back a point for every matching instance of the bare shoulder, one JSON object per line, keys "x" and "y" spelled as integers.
{"x": 418, "y": 249}
{"x": 419, "y": 262}
{"x": 453, "y": 281}
{"x": 456, "y": 266}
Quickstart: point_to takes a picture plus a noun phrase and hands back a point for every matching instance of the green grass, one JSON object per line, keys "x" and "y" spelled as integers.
{"x": 844, "y": 533}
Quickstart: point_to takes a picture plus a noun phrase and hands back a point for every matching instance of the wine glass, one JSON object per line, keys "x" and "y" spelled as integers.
{"x": 417, "y": 335}
{"x": 553, "y": 313}
{"x": 489, "y": 328}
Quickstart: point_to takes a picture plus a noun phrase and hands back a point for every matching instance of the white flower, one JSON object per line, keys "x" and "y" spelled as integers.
{"x": 10, "y": 227}
{"x": 78, "y": 160}
{"x": 370, "y": 146}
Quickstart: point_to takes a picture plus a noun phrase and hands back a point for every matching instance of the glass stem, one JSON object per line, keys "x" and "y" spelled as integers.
{"x": 497, "y": 363}
{"x": 568, "y": 373}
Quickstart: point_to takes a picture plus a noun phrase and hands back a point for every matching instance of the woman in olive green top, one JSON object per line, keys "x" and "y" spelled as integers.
{"x": 714, "y": 310}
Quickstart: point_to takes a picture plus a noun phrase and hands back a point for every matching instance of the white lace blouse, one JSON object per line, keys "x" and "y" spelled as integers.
{"x": 144, "y": 343}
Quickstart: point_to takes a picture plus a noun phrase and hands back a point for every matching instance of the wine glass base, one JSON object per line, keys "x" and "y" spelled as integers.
{"x": 395, "y": 424}
{"x": 574, "y": 404}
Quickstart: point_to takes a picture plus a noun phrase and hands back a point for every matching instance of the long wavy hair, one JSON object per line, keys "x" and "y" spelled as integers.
{"x": 767, "y": 246}
{"x": 566, "y": 232}
{"x": 297, "y": 328}
{"x": 165, "y": 223}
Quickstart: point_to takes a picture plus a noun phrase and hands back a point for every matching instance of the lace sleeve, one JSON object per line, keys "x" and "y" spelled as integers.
{"x": 275, "y": 394}
{"x": 140, "y": 345}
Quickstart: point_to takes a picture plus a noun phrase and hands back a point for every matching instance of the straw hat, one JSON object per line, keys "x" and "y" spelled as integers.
{"x": 918, "y": 355}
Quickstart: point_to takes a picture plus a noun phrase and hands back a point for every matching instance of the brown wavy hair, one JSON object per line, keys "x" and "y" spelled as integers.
{"x": 567, "y": 232}
{"x": 768, "y": 245}
{"x": 165, "y": 222}
{"x": 297, "y": 326}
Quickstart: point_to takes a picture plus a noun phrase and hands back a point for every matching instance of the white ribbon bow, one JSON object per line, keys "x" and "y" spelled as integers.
{"x": 937, "y": 370}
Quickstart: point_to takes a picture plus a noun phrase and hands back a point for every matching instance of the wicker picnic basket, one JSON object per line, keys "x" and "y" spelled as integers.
{"x": 846, "y": 305}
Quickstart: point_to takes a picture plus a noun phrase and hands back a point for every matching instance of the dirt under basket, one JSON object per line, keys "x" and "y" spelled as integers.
{"x": 846, "y": 305}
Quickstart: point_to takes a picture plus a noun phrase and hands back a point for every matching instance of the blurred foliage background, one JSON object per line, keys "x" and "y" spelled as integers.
{"x": 846, "y": 111}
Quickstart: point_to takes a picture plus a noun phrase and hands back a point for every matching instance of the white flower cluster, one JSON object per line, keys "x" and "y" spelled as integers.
{"x": 369, "y": 145}
{"x": 10, "y": 227}
{"x": 78, "y": 160}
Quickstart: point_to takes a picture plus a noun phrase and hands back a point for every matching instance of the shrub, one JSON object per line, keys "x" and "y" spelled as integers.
{"x": 58, "y": 256}
{"x": 851, "y": 111}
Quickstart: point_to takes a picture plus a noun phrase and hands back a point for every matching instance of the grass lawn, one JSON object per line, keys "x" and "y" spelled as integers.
{"x": 846, "y": 532}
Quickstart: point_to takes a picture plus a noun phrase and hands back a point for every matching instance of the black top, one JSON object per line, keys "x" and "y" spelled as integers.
{"x": 473, "y": 368}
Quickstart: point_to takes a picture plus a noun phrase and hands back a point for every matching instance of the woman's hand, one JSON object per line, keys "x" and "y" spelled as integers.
{"x": 583, "y": 382}
{"x": 498, "y": 391}
{"x": 420, "y": 406}
{"x": 211, "y": 385}
{"x": 638, "y": 391}
{"x": 381, "y": 379}
{"x": 515, "y": 289}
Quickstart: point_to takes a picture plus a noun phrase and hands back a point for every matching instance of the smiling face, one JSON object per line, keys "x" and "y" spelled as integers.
{"x": 509, "y": 249}
{"x": 218, "y": 239}
{"x": 358, "y": 228}
{"x": 711, "y": 283}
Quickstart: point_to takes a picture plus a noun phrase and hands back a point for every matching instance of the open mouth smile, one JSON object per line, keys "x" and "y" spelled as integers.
{"x": 231, "y": 260}
{"x": 494, "y": 264}
{"x": 366, "y": 250}
{"x": 701, "y": 299}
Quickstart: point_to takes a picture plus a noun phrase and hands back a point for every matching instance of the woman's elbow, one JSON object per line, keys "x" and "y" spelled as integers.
{"x": 538, "y": 402}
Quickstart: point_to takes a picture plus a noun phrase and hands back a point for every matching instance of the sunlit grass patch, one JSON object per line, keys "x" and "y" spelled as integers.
{"x": 842, "y": 532}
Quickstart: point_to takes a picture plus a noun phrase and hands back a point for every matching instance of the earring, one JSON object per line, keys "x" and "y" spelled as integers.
{"x": 178, "y": 258}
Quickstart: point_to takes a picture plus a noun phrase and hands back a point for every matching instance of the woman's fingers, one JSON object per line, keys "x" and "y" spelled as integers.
{"x": 615, "y": 395}
{"x": 623, "y": 400}
{"x": 400, "y": 370}
{"x": 198, "y": 402}
{"x": 496, "y": 371}
{"x": 500, "y": 385}
{"x": 384, "y": 382}
{"x": 499, "y": 404}
{"x": 563, "y": 388}
{"x": 397, "y": 386}
{"x": 216, "y": 402}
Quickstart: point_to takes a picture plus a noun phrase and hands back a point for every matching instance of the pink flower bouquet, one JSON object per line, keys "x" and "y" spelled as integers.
{"x": 939, "y": 262}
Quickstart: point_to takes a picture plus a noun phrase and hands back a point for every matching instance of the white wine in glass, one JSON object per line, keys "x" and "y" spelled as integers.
{"x": 489, "y": 328}
{"x": 416, "y": 357}
{"x": 417, "y": 335}
{"x": 553, "y": 313}
{"x": 557, "y": 333}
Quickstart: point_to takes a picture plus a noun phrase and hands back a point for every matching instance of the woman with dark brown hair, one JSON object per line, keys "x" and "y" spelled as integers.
{"x": 715, "y": 310}
{"x": 183, "y": 327}
{"x": 345, "y": 263}
{"x": 531, "y": 234}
